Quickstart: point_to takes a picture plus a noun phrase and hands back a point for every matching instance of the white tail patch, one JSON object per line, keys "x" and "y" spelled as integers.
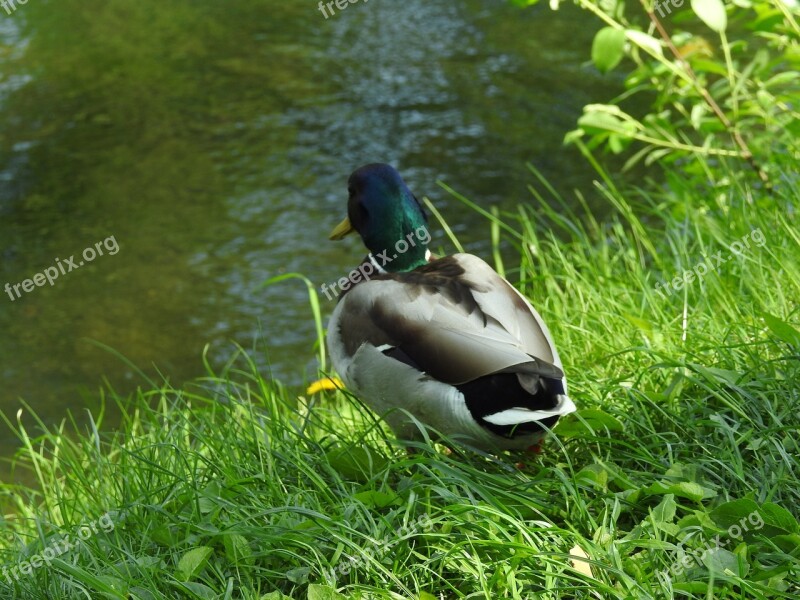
{"x": 515, "y": 416}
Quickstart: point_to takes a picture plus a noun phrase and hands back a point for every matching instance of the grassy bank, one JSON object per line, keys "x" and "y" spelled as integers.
{"x": 678, "y": 478}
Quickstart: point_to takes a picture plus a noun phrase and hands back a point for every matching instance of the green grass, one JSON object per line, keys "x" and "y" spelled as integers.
{"x": 236, "y": 488}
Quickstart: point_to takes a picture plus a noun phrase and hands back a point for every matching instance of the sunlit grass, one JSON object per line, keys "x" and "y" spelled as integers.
{"x": 236, "y": 488}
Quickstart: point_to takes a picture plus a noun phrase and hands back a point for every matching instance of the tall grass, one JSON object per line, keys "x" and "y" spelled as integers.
{"x": 233, "y": 487}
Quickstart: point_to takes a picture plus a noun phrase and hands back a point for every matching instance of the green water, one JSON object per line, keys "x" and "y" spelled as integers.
{"x": 212, "y": 140}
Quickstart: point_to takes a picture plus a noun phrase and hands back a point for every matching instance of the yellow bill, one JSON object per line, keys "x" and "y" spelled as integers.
{"x": 341, "y": 230}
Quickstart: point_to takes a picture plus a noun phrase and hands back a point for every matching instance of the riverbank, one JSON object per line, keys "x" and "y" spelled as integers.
{"x": 677, "y": 478}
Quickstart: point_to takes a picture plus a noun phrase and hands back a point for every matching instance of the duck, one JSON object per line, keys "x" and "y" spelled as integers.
{"x": 440, "y": 342}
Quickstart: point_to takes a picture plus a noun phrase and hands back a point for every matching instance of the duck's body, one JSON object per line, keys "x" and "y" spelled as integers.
{"x": 448, "y": 342}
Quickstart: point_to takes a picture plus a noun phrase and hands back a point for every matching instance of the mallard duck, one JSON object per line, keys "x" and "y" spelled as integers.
{"x": 447, "y": 340}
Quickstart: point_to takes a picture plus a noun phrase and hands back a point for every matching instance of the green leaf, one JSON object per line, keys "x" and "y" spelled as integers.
{"x": 613, "y": 8}
{"x": 322, "y": 592}
{"x": 618, "y": 143}
{"x": 691, "y": 490}
{"x": 765, "y": 99}
{"x": 698, "y": 112}
{"x": 782, "y": 330}
{"x": 164, "y": 536}
{"x": 777, "y": 516}
{"x": 684, "y": 489}
{"x": 708, "y": 66}
{"x": 588, "y": 421}
{"x": 644, "y": 40}
{"x": 618, "y": 478}
{"x": 608, "y": 48}
{"x": 236, "y": 548}
{"x": 720, "y": 560}
{"x": 593, "y": 475}
{"x": 298, "y": 575}
{"x": 272, "y": 596}
{"x": 700, "y": 518}
{"x": 198, "y": 591}
{"x": 656, "y": 155}
{"x": 377, "y": 498}
{"x": 728, "y": 513}
{"x": 642, "y": 324}
{"x": 598, "y": 122}
{"x": 725, "y": 376}
{"x": 781, "y": 79}
{"x": 115, "y": 583}
{"x": 712, "y": 13}
{"x": 744, "y": 519}
{"x": 193, "y": 562}
{"x": 665, "y": 511}
{"x": 572, "y": 136}
{"x": 630, "y": 496}
{"x": 356, "y": 462}
{"x": 682, "y": 472}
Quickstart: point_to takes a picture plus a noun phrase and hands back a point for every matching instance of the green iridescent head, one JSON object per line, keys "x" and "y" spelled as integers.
{"x": 387, "y": 216}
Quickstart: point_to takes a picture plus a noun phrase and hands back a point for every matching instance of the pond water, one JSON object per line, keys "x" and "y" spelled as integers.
{"x": 210, "y": 143}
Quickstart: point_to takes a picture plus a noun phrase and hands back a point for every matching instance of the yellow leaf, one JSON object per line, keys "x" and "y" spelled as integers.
{"x": 326, "y": 383}
{"x": 580, "y": 565}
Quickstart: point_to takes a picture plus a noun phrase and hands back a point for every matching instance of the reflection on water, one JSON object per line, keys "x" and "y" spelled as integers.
{"x": 213, "y": 141}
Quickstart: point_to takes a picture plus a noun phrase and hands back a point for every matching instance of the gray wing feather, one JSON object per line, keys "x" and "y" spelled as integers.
{"x": 449, "y": 339}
